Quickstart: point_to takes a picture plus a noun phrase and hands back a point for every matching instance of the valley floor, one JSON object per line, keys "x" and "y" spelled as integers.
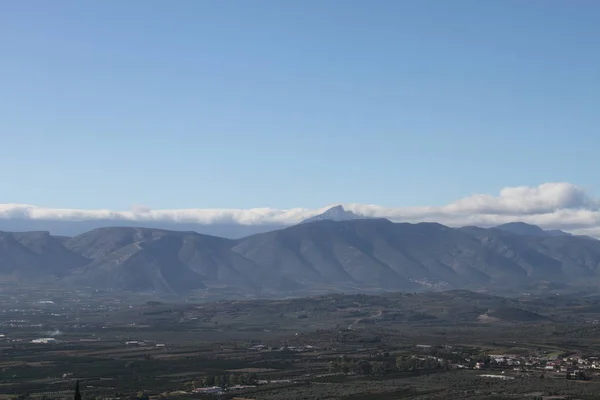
{"x": 397, "y": 346}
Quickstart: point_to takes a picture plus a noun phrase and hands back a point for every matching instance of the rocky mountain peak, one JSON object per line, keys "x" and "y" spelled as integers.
{"x": 336, "y": 213}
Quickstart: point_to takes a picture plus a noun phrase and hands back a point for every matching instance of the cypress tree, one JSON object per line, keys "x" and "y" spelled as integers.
{"x": 77, "y": 393}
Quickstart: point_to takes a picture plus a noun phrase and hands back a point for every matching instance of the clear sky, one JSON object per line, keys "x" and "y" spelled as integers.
{"x": 197, "y": 103}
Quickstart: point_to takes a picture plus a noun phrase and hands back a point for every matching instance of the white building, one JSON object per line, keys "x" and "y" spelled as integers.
{"x": 45, "y": 340}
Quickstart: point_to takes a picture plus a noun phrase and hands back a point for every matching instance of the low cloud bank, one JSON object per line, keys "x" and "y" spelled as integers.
{"x": 558, "y": 205}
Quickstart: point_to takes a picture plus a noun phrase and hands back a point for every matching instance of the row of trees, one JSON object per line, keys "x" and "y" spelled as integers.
{"x": 359, "y": 367}
{"x": 364, "y": 367}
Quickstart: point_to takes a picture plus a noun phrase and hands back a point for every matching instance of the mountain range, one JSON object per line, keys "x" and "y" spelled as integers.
{"x": 352, "y": 255}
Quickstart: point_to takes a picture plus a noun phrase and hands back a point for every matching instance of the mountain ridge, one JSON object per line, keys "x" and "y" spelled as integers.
{"x": 525, "y": 229}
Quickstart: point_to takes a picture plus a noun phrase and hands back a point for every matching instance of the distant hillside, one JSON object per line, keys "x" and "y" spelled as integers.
{"x": 356, "y": 255}
{"x": 74, "y": 228}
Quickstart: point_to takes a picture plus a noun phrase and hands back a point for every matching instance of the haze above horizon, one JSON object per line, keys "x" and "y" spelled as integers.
{"x": 408, "y": 105}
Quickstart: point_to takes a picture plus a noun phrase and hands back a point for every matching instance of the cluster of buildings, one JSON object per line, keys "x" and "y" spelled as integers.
{"x": 574, "y": 367}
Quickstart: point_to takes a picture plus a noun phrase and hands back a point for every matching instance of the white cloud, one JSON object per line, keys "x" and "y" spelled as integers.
{"x": 557, "y": 205}
{"x": 551, "y": 205}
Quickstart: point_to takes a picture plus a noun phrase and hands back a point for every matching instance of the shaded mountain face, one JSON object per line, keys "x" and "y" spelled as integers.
{"x": 557, "y": 232}
{"x": 337, "y": 213}
{"x": 366, "y": 255}
{"x": 141, "y": 259}
{"x": 36, "y": 257}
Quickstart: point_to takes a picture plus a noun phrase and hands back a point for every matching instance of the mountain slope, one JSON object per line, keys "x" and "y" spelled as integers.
{"x": 36, "y": 256}
{"x": 143, "y": 259}
{"x": 378, "y": 253}
{"x": 16, "y": 261}
{"x": 324, "y": 252}
{"x": 560, "y": 258}
{"x": 150, "y": 265}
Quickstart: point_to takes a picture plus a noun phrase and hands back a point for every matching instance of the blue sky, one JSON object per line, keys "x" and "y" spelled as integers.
{"x": 227, "y": 104}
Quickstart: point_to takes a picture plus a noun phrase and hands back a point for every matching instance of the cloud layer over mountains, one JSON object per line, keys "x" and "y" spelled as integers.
{"x": 558, "y": 205}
